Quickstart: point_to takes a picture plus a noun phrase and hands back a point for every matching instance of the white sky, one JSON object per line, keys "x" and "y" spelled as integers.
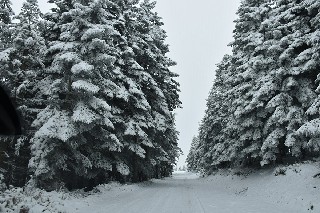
{"x": 198, "y": 34}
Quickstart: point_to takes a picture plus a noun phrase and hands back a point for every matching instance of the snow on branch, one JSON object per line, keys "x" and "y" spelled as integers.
{"x": 83, "y": 114}
{"x": 86, "y": 86}
{"x": 311, "y": 128}
{"x": 82, "y": 67}
{"x": 59, "y": 126}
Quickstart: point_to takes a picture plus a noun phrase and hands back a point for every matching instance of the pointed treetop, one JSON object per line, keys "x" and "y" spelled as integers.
{"x": 5, "y": 11}
{"x": 30, "y": 12}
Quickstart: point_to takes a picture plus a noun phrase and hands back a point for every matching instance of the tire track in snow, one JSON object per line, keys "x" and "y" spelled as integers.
{"x": 201, "y": 205}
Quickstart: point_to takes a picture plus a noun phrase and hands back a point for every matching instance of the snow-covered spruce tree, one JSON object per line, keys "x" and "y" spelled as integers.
{"x": 289, "y": 86}
{"x": 28, "y": 52}
{"x": 92, "y": 64}
{"x": 281, "y": 87}
{"x": 143, "y": 110}
{"x": 26, "y": 57}
{"x": 226, "y": 136}
{"x": 158, "y": 84}
{"x": 245, "y": 127}
{"x": 193, "y": 155}
{"x": 6, "y": 14}
{"x": 131, "y": 109}
{"x": 276, "y": 60}
{"x": 215, "y": 130}
{"x": 308, "y": 61}
{"x": 75, "y": 144}
{"x": 165, "y": 88}
{"x": 214, "y": 146}
{"x": 22, "y": 69}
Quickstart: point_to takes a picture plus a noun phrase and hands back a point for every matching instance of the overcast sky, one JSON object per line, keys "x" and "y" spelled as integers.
{"x": 198, "y": 34}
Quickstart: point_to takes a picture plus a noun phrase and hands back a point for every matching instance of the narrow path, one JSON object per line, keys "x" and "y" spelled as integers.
{"x": 183, "y": 193}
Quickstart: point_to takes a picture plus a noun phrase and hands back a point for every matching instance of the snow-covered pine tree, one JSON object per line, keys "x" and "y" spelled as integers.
{"x": 27, "y": 53}
{"x": 264, "y": 115}
{"x": 234, "y": 136}
{"x": 193, "y": 155}
{"x": 216, "y": 129}
{"x": 308, "y": 63}
{"x": 75, "y": 144}
{"x": 279, "y": 91}
{"x": 6, "y": 14}
{"x": 144, "y": 63}
{"x": 131, "y": 109}
{"x": 143, "y": 110}
{"x": 158, "y": 85}
{"x": 21, "y": 70}
{"x": 111, "y": 96}
{"x": 214, "y": 145}
{"x": 250, "y": 63}
{"x": 286, "y": 89}
{"x": 275, "y": 59}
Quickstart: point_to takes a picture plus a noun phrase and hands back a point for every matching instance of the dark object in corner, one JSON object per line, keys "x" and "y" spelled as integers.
{"x": 9, "y": 120}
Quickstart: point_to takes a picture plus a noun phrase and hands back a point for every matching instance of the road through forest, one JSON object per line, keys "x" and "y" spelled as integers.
{"x": 185, "y": 193}
{"x": 285, "y": 189}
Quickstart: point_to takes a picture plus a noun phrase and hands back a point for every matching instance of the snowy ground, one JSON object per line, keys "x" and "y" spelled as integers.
{"x": 266, "y": 191}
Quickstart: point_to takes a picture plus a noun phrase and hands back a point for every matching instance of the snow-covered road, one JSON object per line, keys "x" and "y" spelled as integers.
{"x": 291, "y": 189}
{"x": 185, "y": 193}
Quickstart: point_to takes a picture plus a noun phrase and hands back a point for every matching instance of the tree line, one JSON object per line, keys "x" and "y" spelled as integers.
{"x": 264, "y": 105}
{"x": 94, "y": 92}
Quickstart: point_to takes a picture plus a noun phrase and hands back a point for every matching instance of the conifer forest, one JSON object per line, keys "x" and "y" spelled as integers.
{"x": 93, "y": 99}
{"x": 264, "y": 105}
{"x": 92, "y": 86}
